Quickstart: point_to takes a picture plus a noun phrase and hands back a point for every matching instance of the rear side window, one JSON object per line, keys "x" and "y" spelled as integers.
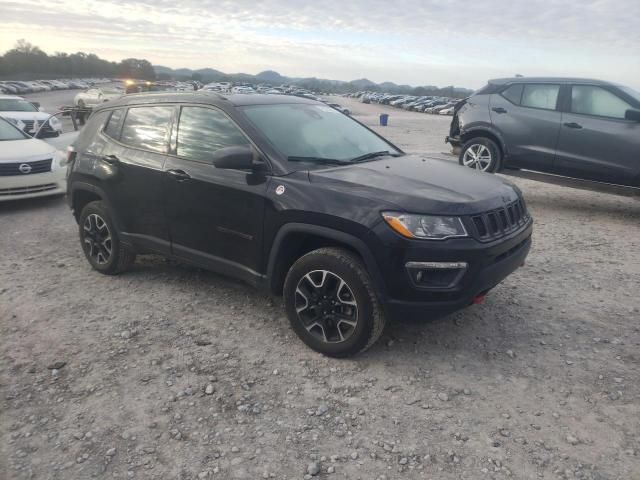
{"x": 114, "y": 124}
{"x": 147, "y": 128}
{"x": 591, "y": 100}
{"x": 89, "y": 131}
{"x": 203, "y": 131}
{"x": 540, "y": 96}
{"x": 513, "y": 93}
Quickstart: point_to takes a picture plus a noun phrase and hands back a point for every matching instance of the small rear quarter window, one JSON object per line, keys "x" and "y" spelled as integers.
{"x": 513, "y": 93}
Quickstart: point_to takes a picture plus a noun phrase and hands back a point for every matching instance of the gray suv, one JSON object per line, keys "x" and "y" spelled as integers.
{"x": 586, "y": 129}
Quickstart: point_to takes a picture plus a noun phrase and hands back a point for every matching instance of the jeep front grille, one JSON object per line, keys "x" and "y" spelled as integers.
{"x": 501, "y": 221}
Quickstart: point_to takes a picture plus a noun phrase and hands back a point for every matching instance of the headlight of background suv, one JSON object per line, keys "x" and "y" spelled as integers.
{"x": 54, "y": 123}
{"x": 429, "y": 227}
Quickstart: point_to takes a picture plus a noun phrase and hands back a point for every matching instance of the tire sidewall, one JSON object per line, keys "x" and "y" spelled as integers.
{"x": 352, "y": 276}
{"x": 496, "y": 157}
{"x": 100, "y": 209}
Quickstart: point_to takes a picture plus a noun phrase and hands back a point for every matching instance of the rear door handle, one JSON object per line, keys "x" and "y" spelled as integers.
{"x": 110, "y": 159}
{"x": 179, "y": 175}
{"x": 572, "y": 125}
{"x": 499, "y": 110}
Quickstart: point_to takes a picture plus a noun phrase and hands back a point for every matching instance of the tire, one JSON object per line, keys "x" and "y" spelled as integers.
{"x": 485, "y": 149}
{"x": 355, "y": 319}
{"x": 106, "y": 255}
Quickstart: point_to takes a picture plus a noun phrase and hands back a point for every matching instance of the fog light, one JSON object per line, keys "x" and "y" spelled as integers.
{"x": 436, "y": 274}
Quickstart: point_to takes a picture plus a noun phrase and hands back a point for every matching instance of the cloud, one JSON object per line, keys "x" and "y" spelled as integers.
{"x": 439, "y": 41}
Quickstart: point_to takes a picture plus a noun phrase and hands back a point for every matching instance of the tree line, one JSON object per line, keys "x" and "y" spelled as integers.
{"x": 26, "y": 61}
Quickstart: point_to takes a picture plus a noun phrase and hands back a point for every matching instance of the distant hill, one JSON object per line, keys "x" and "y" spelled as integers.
{"x": 271, "y": 77}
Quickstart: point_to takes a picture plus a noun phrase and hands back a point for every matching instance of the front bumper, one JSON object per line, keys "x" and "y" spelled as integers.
{"x": 488, "y": 265}
{"x": 17, "y": 187}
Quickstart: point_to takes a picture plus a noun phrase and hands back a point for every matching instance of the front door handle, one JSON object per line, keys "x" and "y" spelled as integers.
{"x": 110, "y": 159}
{"x": 572, "y": 125}
{"x": 179, "y": 175}
{"x": 499, "y": 110}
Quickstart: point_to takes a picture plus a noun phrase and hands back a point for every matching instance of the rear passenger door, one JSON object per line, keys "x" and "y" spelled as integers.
{"x": 215, "y": 215}
{"x": 596, "y": 142}
{"x": 135, "y": 161}
{"x": 528, "y": 119}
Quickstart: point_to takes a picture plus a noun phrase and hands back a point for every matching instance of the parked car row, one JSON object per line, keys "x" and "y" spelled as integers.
{"x": 21, "y": 87}
{"x": 266, "y": 89}
{"x": 427, "y": 103}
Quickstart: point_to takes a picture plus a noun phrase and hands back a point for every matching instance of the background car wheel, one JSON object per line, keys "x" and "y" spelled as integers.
{"x": 481, "y": 153}
{"x": 331, "y": 303}
{"x": 100, "y": 242}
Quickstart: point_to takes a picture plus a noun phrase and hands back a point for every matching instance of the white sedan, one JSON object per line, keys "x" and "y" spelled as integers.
{"x": 96, "y": 96}
{"x": 28, "y": 117}
{"x": 29, "y": 167}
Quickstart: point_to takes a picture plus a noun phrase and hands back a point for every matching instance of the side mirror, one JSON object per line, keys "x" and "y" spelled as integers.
{"x": 235, "y": 158}
{"x": 36, "y": 104}
{"x": 632, "y": 114}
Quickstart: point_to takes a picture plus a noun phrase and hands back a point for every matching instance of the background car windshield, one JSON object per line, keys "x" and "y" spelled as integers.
{"x": 304, "y": 130}
{"x": 9, "y": 132}
{"x": 16, "y": 105}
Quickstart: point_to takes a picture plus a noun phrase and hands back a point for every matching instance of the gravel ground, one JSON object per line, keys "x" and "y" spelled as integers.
{"x": 170, "y": 372}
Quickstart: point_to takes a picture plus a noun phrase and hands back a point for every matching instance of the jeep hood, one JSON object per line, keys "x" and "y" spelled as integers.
{"x": 420, "y": 185}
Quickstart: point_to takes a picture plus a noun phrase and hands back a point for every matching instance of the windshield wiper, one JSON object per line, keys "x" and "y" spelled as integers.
{"x": 369, "y": 156}
{"x": 329, "y": 161}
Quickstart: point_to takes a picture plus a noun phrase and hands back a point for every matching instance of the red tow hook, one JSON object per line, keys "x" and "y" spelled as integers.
{"x": 478, "y": 299}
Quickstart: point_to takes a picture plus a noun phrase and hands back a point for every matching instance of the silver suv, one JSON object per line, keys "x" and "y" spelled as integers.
{"x": 587, "y": 129}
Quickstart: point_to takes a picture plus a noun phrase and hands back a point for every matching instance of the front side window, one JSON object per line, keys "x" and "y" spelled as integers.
{"x": 591, "y": 100}
{"x": 147, "y": 127}
{"x": 540, "y": 96}
{"x": 513, "y": 93}
{"x": 202, "y": 131}
{"x": 115, "y": 122}
{"x": 301, "y": 131}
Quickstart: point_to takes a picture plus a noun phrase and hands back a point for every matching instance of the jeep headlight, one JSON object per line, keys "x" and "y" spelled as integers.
{"x": 428, "y": 227}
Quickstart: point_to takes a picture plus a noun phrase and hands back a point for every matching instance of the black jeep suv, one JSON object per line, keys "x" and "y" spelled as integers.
{"x": 291, "y": 195}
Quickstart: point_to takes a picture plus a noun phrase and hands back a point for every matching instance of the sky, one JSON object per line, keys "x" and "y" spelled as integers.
{"x": 416, "y": 42}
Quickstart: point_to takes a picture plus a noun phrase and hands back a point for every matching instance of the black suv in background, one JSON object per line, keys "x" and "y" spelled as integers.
{"x": 586, "y": 129}
{"x": 291, "y": 195}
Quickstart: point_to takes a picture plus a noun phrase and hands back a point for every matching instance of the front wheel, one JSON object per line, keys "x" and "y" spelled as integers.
{"x": 331, "y": 303}
{"x": 481, "y": 153}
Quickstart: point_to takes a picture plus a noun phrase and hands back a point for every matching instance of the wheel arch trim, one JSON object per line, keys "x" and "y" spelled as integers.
{"x": 476, "y": 130}
{"x": 88, "y": 187}
{"x": 330, "y": 234}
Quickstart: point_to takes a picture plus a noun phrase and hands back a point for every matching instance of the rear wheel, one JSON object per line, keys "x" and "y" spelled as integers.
{"x": 331, "y": 303}
{"x": 481, "y": 153}
{"x": 100, "y": 242}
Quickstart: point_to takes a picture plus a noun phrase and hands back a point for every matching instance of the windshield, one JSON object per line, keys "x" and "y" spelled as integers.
{"x": 315, "y": 132}
{"x": 630, "y": 91}
{"x": 9, "y": 132}
{"x": 16, "y": 105}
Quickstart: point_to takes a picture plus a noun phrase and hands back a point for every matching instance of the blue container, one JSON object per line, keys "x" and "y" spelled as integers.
{"x": 384, "y": 119}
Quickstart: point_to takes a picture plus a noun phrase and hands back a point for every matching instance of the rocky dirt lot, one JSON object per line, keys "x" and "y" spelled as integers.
{"x": 170, "y": 372}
